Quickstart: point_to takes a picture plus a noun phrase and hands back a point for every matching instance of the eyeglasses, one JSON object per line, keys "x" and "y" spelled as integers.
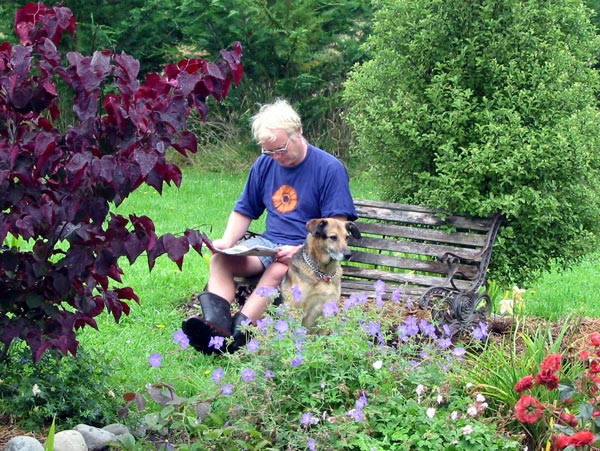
{"x": 279, "y": 151}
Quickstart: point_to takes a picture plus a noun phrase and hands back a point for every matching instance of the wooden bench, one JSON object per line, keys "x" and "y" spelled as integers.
{"x": 439, "y": 261}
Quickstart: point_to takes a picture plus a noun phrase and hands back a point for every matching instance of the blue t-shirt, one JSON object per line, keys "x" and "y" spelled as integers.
{"x": 316, "y": 188}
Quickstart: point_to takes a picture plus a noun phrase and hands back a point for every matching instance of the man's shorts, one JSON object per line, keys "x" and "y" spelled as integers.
{"x": 262, "y": 241}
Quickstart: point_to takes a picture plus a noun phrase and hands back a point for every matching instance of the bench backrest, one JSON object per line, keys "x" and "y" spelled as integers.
{"x": 402, "y": 245}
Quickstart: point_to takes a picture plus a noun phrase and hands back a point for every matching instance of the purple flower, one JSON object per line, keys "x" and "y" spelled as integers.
{"x": 267, "y": 292}
{"x": 396, "y": 295}
{"x": 311, "y": 444}
{"x": 446, "y": 330}
{"x": 459, "y": 352}
{"x": 296, "y": 293}
{"x": 379, "y": 300}
{"x": 330, "y": 309}
{"x": 269, "y": 374}
{"x": 427, "y": 328}
{"x": 444, "y": 343}
{"x": 217, "y": 375}
{"x": 248, "y": 374}
{"x": 357, "y": 415}
{"x": 263, "y": 323}
{"x": 181, "y": 339}
{"x": 297, "y": 361}
{"x": 282, "y": 327}
{"x": 481, "y": 331}
{"x": 155, "y": 360}
{"x": 373, "y": 328}
{"x": 361, "y": 402}
{"x": 216, "y": 342}
{"x": 253, "y": 345}
{"x": 227, "y": 389}
{"x": 308, "y": 419}
{"x": 410, "y": 326}
{"x": 379, "y": 287}
{"x": 351, "y": 301}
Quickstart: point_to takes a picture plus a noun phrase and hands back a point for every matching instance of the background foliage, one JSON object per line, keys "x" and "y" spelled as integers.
{"x": 301, "y": 51}
{"x": 477, "y": 107}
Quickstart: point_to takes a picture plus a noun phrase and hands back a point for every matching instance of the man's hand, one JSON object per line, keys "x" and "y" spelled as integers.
{"x": 285, "y": 253}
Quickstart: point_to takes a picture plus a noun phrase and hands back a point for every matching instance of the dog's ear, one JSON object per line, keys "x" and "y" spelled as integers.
{"x": 353, "y": 229}
{"x": 316, "y": 227}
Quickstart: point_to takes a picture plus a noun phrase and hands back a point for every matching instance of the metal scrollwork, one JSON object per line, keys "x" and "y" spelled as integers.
{"x": 462, "y": 309}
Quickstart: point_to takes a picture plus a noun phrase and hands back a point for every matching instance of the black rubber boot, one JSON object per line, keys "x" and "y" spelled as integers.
{"x": 215, "y": 322}
{"x": 240, "y": 338}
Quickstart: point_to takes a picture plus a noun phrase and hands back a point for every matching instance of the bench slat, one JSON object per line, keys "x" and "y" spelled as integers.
{"x": 422, "y": 234}
{"x": 396, "y": 277}
{"x": 413, "y": 247}
{"x": 411, "y": 264}
{"x": 416, "y": 215}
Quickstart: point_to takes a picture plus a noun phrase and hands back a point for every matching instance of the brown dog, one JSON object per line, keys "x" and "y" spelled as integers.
{"x": 314, "y": 273}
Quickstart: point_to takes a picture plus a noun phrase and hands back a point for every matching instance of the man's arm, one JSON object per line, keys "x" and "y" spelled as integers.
{"x": 237, "y": 226}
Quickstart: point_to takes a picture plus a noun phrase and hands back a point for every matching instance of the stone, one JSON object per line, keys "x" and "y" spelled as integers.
{"x": 96, "y": 438}
{"x": 117, "y": 428}
{"x": 69, "y": 440}
{"x": 23, "y": 443}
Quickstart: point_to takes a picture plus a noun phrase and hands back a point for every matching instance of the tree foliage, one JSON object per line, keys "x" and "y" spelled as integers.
{"x": 61, "y": 242}
{"x": 478, "y": 107}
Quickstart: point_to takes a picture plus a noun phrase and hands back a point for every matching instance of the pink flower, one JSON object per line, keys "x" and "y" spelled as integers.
{"x": 528, "y": 409}
{"x": 524, "y": 384}
{"x": 548, "y": 378}
{"x": 552, "y": 362}
{"x": 595, "y": 339}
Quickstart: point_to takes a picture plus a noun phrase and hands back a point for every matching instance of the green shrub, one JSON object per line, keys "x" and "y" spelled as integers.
{"x": 477, "y": 107}
{"x": 67, "y": 390}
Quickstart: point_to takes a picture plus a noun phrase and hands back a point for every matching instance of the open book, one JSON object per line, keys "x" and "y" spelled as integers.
{"x": 239, "y": 249}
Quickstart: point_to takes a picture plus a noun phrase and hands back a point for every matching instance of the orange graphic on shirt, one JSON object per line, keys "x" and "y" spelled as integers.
{"x": 285, "y": 199}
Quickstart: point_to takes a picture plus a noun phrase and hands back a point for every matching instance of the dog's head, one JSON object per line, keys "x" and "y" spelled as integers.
{"x": 330, "y": 237}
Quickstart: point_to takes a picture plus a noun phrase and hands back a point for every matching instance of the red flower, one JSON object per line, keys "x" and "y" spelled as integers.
{"x": 583, "y": 438}
{"x": 528, "y": 409}
{"x": 568, "y": 419}
{"x": 547, "y": 378}
{"x": 584, "y": 355}
{"x": 595, "y": 339}
{"x": 594, "y": 367}
{"x": 561, "y": 441}
{"x": 552, "y": 362}
{"x": 524, "y": 384}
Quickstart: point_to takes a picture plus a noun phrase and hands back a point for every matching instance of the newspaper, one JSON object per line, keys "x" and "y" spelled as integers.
{"x": 240, "y": 249}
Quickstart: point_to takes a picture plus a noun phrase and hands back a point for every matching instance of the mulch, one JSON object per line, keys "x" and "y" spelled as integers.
{"x": 9, "y": 430}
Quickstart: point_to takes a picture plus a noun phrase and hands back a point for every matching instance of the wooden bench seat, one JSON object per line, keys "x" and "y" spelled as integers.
{"x": 441, "y": 261}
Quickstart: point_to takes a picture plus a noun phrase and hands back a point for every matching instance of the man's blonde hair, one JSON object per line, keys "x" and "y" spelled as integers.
{"x": 278, "y": 115}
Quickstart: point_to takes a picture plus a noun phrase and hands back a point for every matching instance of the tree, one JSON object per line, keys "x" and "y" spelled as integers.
{"x": 61, "y": 242}
{"x": 483, "y": 106}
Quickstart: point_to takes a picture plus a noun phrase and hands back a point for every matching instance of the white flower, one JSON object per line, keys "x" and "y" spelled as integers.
{"x": 36, "y": 390}
{"x": 506, "y": 306}
{"x": 472, "y": 411}
{"x": 377, "y": 364}
{"x": 480, "y": 398}
{"x": 430, "y": 412}
{"x": 440, "y": 399}
{"x": 469, "y": 385}
{"x": 420, "y": 389}
{"x": 454, "y": 415}
{"x": 467, "y": 429}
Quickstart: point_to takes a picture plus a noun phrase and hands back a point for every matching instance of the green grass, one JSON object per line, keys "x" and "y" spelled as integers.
{"x": 560, "y": 292}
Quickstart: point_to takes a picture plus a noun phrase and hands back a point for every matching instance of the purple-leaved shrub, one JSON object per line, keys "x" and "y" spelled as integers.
{"x": 60, "y": 241}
